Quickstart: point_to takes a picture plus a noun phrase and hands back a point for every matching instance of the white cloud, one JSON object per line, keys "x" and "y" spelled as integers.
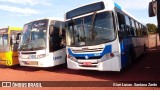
{"x": 19, "y": 11}
{"x": 30, "y": 2}
{"x": 133, "y": 4}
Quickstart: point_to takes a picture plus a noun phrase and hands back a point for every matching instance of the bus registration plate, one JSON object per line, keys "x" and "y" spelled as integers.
{"x": 87, "y": 63}
{"x": 31, "y": 63}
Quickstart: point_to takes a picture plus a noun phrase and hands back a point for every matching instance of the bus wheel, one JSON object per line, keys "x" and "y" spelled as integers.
{"x": 130, "y": 58}
{"x": 128, "y": 64}
{"x": 145, "y": 50}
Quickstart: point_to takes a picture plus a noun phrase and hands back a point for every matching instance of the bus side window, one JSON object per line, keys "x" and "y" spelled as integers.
{"x": 55, "y": 38}
{"x": 121, "y": 22}
{"x": 18, "y": 38}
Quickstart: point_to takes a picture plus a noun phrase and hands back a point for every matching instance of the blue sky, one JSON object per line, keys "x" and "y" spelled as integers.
{"x": 19, "y": 12}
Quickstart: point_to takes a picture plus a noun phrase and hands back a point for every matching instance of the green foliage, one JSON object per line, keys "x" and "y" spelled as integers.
{"x": 152, "y": 28}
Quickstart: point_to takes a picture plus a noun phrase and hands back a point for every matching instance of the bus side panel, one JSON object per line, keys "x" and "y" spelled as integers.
{"x": 126, "y": 46}
{"x": 123, "y": 55}
{"x": 58, "y": 57}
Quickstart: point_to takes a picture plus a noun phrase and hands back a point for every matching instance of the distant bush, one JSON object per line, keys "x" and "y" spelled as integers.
{"x": 152, "y": 28}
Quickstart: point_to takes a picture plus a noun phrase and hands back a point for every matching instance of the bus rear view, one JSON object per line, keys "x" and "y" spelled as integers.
{"x": 41, "y": 44}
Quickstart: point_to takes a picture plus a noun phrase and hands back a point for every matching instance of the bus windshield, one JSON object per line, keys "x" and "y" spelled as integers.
{"x": 34, "y": 36}
{"x": 94, "y": 29}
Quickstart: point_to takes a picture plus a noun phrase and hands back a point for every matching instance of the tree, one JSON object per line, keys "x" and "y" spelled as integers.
{"x": 152, "y": 28}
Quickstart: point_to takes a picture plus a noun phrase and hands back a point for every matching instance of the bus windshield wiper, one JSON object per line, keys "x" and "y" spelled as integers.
{"x": 91, "y": 27}
{"x": 30, "y": 40}
{"x": 32, "y": 46}
{"x": 27, "y": 43}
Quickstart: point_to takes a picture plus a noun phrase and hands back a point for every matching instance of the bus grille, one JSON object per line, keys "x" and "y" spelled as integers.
{"x": 88, "y": 50}
{"x": 28, "y": 53}
{"x": 90, "y": 58}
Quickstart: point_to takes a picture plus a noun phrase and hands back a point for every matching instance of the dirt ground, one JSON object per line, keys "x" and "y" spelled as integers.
{"x": 146, "y": 68}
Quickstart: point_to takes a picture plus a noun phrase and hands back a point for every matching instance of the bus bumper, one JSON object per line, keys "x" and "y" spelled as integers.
{"x": 2, "y": 62}
{"x": 43, "y": 62}
{"x": 6, "y": 63}
{"x": 108, "y": 65}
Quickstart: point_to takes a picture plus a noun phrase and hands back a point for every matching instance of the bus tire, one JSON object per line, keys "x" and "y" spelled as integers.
{"x": 131, "y": 58}
{"x": 128, "y": 64}
{"x": 145, "y": 50}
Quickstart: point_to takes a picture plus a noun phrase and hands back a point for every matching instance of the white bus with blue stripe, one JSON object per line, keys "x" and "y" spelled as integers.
{"x": 102, "y": 36}
{"x": 41, "y": 43}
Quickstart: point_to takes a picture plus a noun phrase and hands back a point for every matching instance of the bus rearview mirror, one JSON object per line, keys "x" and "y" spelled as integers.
{"x": 152, "y": 8}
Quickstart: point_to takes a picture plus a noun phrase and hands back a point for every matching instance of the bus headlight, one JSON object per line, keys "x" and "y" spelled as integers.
{"x": 108, "y": 56}
{"x": 41, "y": 56}
{"x": 72, "y": 58}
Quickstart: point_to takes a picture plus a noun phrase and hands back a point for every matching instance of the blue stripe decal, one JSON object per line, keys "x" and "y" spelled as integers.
{"x": 117, "y": 6}
{"x": 107, "y": 49}
{"x": 123, "y": 56}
